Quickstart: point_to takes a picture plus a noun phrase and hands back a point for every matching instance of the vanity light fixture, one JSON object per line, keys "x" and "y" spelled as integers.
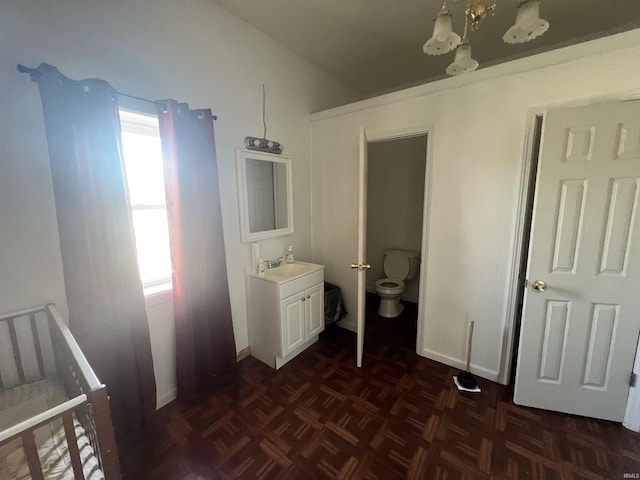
{"x": 262, "y": 145}
{"x": 528, "y": 26}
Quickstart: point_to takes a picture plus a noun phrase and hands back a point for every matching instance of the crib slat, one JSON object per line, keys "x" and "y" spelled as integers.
{"x": 31, "y": 452}
{"x": 16, "y": 349}
{"x": 72, "y": 442}
{"x": 36, "y": 342}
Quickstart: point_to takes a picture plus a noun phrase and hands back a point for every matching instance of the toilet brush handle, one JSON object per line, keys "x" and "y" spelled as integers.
{"x": 469, "y": 341}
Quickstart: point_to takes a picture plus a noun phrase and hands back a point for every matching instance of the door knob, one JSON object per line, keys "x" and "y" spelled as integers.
{"x": 539, "y": 285}
{"x": 361, "y": 266}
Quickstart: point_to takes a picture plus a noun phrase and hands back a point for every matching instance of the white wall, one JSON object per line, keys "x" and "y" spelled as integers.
{"x": 479, "y": 124}
{"x": 193, "y": 51}
{"x": 395, "y": 195}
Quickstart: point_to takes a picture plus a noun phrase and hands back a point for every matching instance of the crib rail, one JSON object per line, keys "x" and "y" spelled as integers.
{"x": 42, "y": 418}
{"x": 42, "y": 346}
{"x": 25, "y": 430}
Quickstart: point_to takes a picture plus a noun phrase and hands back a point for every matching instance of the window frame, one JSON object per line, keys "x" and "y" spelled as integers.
{"x": 143, "y": 123}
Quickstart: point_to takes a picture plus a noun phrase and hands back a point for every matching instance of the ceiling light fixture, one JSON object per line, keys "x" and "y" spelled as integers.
{"x": 528, "y": 26}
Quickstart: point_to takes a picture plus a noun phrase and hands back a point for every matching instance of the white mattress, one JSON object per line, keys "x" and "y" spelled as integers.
{"x": 24, "y": 401}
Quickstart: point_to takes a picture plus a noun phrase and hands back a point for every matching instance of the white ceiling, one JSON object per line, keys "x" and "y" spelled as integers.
{"x": 376, "y": 45}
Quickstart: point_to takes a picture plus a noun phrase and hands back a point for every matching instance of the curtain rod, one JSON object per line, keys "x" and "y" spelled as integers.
{"x": 34, "y": 71}
{"x": 156, "y": 102}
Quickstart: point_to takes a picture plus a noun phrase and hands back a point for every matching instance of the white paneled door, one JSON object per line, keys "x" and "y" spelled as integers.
{"x": 581, "y": 313}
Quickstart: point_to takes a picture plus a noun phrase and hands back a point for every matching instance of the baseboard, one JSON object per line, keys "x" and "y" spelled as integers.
{"x": 242, "y": 354}
{"x": 166, "y": 398}
{"x": 460, "y": 364}
{"x": 348, "y": 323}
{"x": 171, "y": 395}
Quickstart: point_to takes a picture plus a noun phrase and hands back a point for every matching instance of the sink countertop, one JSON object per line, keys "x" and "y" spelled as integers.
{"x": 287, "y": 272}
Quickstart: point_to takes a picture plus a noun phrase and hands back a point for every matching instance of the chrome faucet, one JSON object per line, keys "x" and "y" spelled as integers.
{"x": 274, "y": 263}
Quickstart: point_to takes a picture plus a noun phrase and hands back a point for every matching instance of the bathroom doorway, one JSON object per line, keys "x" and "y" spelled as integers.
{"x": 395, "y": 189}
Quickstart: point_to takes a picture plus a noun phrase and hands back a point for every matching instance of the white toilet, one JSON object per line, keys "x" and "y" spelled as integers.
{"x": 398, "y": 267}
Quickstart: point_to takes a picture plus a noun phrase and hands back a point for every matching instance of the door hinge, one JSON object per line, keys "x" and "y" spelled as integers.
{"x": 633, "y": 381}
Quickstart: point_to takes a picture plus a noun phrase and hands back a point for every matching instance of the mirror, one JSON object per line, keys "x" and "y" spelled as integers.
{"x": 264, "y": 195}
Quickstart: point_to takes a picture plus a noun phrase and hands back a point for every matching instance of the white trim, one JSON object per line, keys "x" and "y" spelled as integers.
{"x": 424, "y": 253}
{"x": 395, "y": 134}
{"x": 398, "y": 134}
{"x": 243, "y": 353}
{"x": 621, "y": 41}
{"x": 462, "y": 365}
{"x": 158, "y": 294}
{"x": 166, "y": 398}
{"x": 142, "y": 123}
{"x": 516, "y": 251}
{"x": 348, "y": 323}
{"x": 243, "y": 205}
{"x": 632, "y": 413}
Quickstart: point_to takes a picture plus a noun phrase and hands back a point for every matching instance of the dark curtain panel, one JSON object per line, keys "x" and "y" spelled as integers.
{"x": 205, "y": 345}
{"x": 106, "y": 303}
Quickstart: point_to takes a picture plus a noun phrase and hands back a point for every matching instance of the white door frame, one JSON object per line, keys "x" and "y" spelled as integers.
{"x": 512, "y": 295}
{"x": 397, "y": 134}
{"x": 521, "y": 216}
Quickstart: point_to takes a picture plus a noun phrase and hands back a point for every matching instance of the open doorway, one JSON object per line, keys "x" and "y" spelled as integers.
{"x": 394, "y": 219}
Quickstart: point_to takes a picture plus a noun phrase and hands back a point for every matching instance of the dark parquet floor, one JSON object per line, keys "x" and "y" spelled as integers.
{"x": 399, "y": 417}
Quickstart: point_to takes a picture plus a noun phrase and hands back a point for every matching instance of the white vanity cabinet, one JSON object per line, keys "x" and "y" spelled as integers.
{"x": 285, "y": 310}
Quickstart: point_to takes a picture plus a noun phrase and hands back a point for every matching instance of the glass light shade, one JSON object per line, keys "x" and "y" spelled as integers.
{"x": 444, "y": 39}
{"x": 528, "y": 24}
{"x": 463, "y": 63}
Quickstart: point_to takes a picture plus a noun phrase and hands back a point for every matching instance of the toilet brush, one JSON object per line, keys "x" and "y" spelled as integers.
{"x": 466, "y": 379}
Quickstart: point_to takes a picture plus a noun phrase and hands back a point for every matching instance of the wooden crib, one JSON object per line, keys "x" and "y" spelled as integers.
{"x": 55, "y": 420}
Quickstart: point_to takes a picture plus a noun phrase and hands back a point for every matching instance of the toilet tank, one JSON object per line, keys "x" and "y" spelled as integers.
{"x": 401, "y": 264}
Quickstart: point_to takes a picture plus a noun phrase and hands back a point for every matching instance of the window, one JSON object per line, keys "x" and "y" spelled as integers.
{"x": 145, "y": 181}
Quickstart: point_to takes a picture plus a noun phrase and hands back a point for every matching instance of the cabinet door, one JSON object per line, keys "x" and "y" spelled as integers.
{"x": 315, "y": 310}
{"x": 293, "y": 331}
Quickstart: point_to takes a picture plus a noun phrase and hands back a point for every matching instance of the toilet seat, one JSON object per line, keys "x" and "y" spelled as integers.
{"x": 389, "y": 286}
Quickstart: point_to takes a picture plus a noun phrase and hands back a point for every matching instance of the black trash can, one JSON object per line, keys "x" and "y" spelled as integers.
{"x": 333, "y": 306}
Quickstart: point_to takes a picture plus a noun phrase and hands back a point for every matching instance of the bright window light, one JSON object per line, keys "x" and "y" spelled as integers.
{"x": 145, "y": 181}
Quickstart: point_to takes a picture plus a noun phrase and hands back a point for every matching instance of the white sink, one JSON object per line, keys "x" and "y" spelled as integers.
{"x": 288, "y": 271}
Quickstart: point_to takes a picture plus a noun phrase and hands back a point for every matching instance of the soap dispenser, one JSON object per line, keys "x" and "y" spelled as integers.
{"x": 290, "y": 257}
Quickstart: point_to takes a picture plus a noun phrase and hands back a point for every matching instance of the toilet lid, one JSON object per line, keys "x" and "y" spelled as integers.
{"x": 396, "y": 265}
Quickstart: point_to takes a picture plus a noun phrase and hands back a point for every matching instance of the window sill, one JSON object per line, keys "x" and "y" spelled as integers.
{"x": 158, "y": 294}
